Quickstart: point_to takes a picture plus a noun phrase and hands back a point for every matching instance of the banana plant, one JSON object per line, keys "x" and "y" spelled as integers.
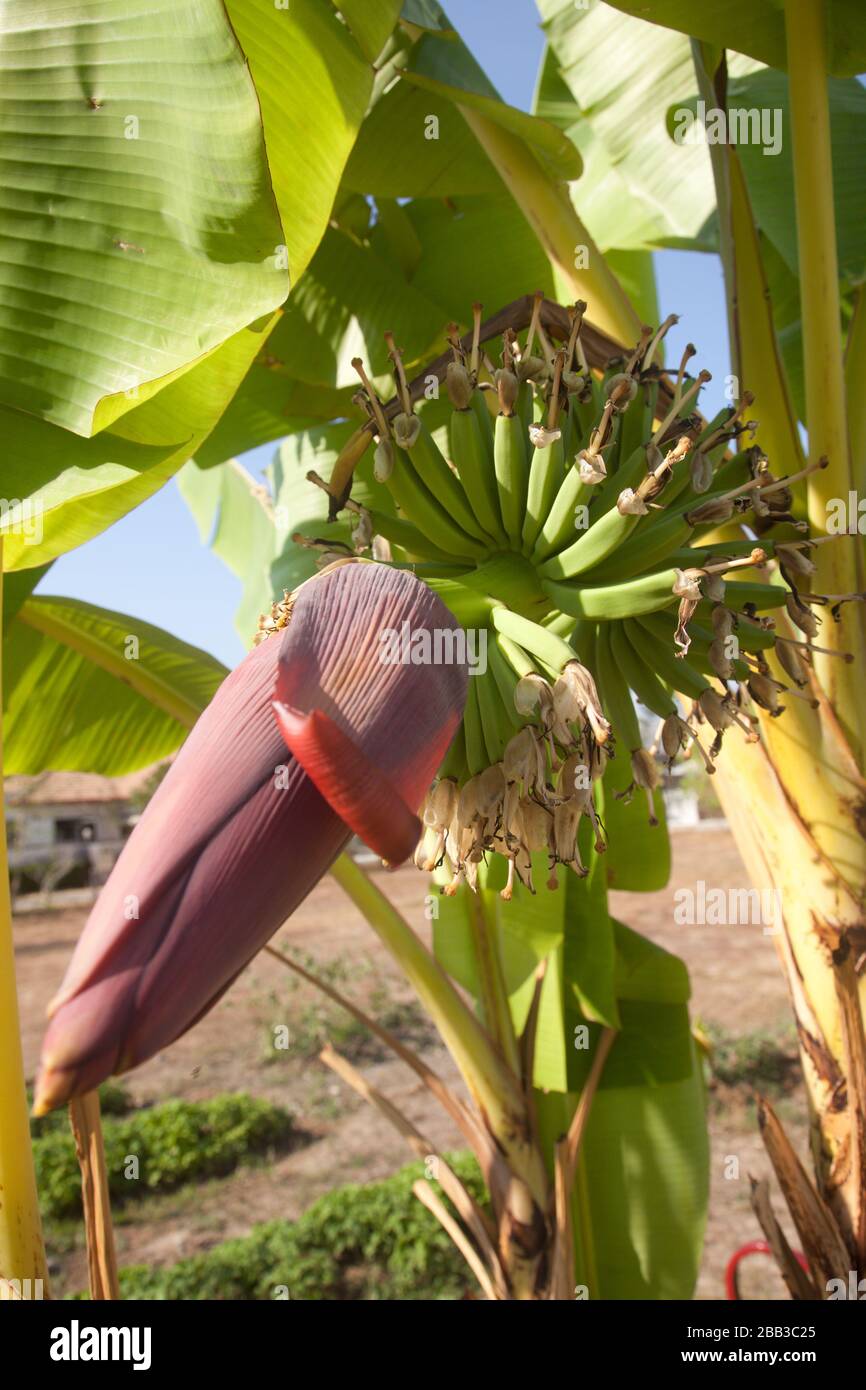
{"x": 563, "y": 503}
{"x": 95, "y": 1028}
{"x": 580, "y": 531}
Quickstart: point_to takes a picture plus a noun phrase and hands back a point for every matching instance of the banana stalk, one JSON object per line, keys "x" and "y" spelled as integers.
{"x": 22, "y": 1254}
{"x": 840, "y": 568}
{"x": 548, "y": 209}
{"x": 500, "y": 1125}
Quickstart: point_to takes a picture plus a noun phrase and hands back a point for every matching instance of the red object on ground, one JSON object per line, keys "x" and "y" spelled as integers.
{"x": 752, "y": 1247}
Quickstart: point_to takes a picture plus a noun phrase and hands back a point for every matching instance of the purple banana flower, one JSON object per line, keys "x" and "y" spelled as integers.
{"x": 238, "y": 833}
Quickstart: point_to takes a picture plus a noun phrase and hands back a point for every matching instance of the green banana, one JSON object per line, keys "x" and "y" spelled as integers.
{"x": 489, "y": 706}
{"x": 654, "y": 540}
{"x": 560, "y": 623}
{"x": 604, "y": 602}
{"x": 583, "y": 416}
{"x": 615, "y": 695}
{"x": 442, "y": 483}
{"x": 476, "y": 749}
{"x": 540, "y": 641}
{"x": 635, "y": 427}
{"x": 474, "y": 464}
{"x": 600, "y": 540}
{"x": 410, "y": 539}
{"x": 519, "y": 660}
{"x": 659, "y": 657}
{"x": 546, "y": 472}
{"x": 482, "y": 413}
{"x": 526, "y": 407}
{"x": 421, "y": 509}
{"x": 454, "y": 762}
{"x": 505, "y": 678}
{"x": 640, "y": 677}
{"x": 763, "y": 596}
{"x": 560, "y": 523}
{"x": 512, "y": 472}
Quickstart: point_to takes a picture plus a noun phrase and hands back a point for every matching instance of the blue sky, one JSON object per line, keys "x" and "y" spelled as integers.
{"x": 152, "y": 565}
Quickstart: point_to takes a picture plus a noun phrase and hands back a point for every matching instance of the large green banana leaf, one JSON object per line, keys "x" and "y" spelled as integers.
{"x": 622, "y": 75}
{"x": 640, "y": 1200}
{"x": 86, "y": 689}
{"x": 136, "y": 212}
{"x": 371, "y": 21}
{"x": 313, "y": 83}
{"x": 62, "y": 490}
{"x": 757, "y": 27}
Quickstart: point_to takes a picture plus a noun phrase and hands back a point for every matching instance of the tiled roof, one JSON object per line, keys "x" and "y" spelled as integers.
{"x": 58, "y": 788}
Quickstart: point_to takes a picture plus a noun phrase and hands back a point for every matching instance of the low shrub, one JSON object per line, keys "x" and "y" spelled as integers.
{"x": 173, "y": 1143}
{"x": 370, "y": 1241}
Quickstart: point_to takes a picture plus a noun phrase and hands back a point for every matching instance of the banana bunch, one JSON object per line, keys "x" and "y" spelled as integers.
{"x": 584, "y": 536}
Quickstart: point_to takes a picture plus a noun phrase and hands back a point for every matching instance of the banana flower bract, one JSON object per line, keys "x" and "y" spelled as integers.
{"x": 314, "y": 737}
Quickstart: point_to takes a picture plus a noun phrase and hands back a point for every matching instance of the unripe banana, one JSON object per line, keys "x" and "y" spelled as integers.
{"x": 441, "y": 482}
{"x": 519, "y": 660}
{"x": 512, "y": 473}
{"x": 761, "y": 596}
{"x": 640, "y": 677}
{"x": 546, "y": 472}
{"x": 654, "y": 542}
{"x": 604, "y": 602}
{"x": 410, "y": 539}
{"x": 474, "y": 464}
{"x": 526, "y": 409}
{"x": 596, "y": 543}
{"x": 423, "y": 511}
{"x": 615, "y": 695}
{"x": 476, "y": 749}
{"x": 495, "y": 729}
{"x": 659, "y": 657}
{"x": 539, "y": 640}
{"x": 560, "y": 524}
{"x": 483, "y": 414}
{"x": 505, "y": 678}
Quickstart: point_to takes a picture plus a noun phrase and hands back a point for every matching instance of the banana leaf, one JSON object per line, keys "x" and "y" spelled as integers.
{"x": 63, "y": 489}
{"x": 137, "y": 215}
{"x": 757, "y": 27}
{"x": 87, "y": 689}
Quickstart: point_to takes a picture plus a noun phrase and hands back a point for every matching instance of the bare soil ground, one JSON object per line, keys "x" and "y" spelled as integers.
{"x": 738, "y": 993}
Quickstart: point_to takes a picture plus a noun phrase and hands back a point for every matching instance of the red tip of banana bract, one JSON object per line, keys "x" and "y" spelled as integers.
{"x": 351, "y": 784}
{"x": 374, "y": 651}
